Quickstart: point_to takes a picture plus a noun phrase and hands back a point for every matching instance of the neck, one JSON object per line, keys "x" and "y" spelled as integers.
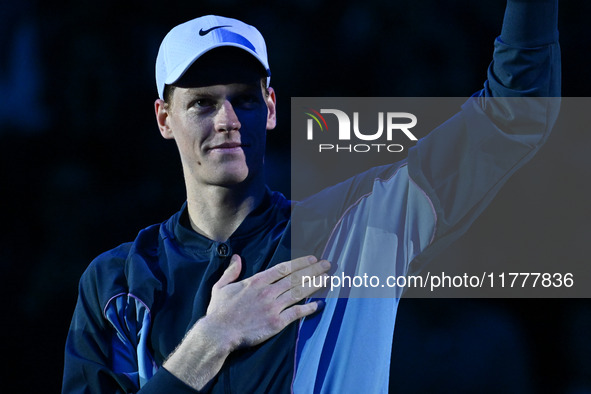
{"x": 216, "y": 211}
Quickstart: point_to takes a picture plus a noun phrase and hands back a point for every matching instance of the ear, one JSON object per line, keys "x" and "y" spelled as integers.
{"x": 162, "y": 117}
{"x": 271, "y": 109}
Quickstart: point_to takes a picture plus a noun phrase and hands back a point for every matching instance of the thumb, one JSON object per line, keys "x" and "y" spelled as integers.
{"x": 231, "y": 273}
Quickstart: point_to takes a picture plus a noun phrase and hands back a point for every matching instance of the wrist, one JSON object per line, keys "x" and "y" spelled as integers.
{"x": 200, "y": 355}
{"x": 225, "y": 338}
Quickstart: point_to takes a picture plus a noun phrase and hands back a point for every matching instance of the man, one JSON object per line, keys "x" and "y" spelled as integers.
{"x": 210, "y": 299}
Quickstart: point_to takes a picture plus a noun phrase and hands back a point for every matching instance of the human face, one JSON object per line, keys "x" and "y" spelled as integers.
{"x": 219, "y": 130}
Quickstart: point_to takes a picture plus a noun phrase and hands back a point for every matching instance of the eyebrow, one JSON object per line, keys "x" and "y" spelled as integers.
{"x": 211, "y": 91}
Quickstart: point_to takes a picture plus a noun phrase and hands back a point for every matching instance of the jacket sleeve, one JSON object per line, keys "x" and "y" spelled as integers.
{"x": 462, "y": 164}
{"x": 450, "y": 177}
{"x": 107, "y": 349}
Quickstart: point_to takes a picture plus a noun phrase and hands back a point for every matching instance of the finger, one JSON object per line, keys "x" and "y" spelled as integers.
{"x": 303, "y": 290}
{"x": 297, "y": 312}
{"x": 231, "y": 273}
{"x": 282, "y": 270}
{"x": 305, "y": 277}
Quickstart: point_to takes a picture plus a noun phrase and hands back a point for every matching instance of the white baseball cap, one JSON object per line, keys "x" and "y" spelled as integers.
{"x": 188, "y": 41}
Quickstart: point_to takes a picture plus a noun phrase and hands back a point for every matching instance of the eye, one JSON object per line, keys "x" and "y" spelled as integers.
{"x": 203, "y": 102}
{"x": 247, "y": 101}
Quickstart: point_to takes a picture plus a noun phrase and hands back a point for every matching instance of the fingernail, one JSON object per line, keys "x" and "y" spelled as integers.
{"x": 325, "y": 264}
{"x": 321, "y": 305}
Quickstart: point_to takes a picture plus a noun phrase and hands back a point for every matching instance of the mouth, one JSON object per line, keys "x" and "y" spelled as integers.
{"x": 227, "y": 147}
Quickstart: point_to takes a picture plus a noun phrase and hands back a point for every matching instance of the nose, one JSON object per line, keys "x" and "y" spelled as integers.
{"x": 226, "y": 119}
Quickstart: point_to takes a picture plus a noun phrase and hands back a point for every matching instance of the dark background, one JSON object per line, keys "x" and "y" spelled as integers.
{"x": 83, "y": 168}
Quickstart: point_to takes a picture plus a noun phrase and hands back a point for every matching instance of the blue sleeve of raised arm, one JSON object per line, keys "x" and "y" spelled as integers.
{"x": 462, "y": 164}
{"x": 526, "y": 60}
{"x": 530, "y": 23}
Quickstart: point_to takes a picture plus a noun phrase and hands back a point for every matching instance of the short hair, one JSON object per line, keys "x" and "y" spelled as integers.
{"x": 168, "y": 92}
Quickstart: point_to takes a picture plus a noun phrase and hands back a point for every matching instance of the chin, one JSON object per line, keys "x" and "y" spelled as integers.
{"x": 232, "y": 178}
{"x": 234, "y": 174}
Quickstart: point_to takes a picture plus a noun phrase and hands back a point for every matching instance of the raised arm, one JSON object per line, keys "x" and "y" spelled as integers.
{"x": 499, "y": 129}
{"x": 527, "y": 57}
{"x": 399, "y": 216}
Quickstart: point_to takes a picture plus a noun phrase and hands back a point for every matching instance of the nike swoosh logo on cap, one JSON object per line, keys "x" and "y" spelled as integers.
{"x": 204, "y": 32}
